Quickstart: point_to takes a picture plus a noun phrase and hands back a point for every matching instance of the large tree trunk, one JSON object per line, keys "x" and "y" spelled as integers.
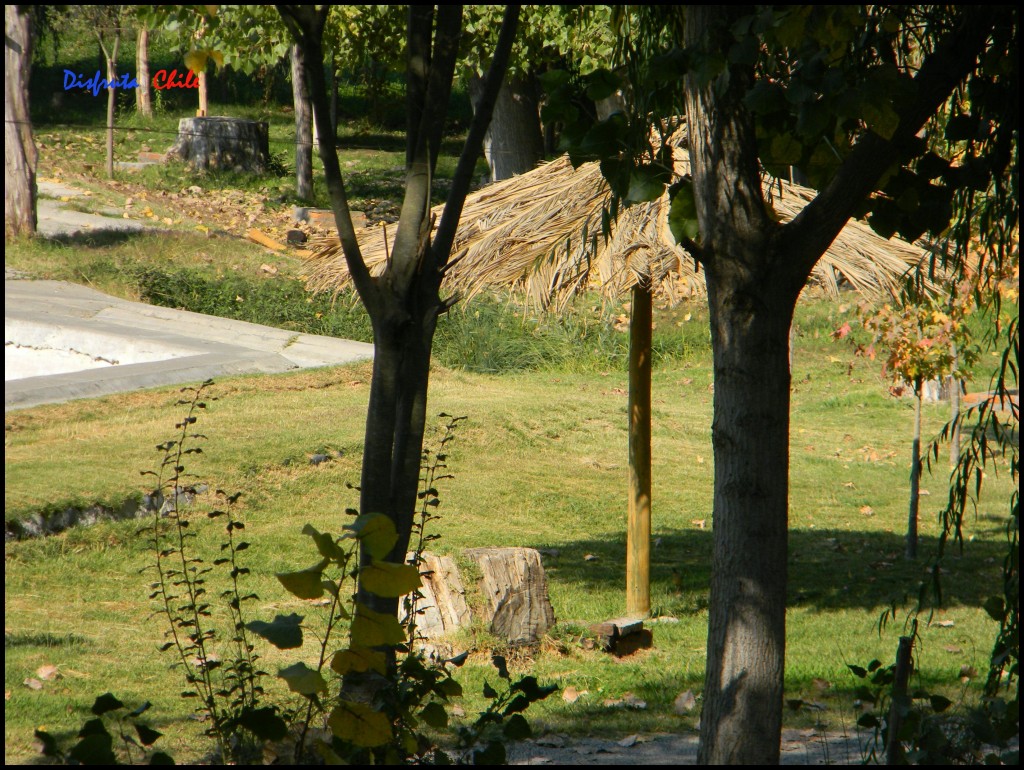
{"x": 19, "y": 148}
{"x": 751, "y": 307}
{"x": 514, "y": 142}
{"x": 742, "y": 719}
{"x": 144, "y": 93}
{"x": 303, "y": 127}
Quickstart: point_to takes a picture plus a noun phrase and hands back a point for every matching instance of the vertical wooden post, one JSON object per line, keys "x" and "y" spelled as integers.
{"x": 915, "y": 474}
{"x": 638, "y": 525}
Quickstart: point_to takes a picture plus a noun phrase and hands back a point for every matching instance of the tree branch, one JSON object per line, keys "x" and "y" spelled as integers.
{"x": 306, "y": 24}
{"x": 445, "y": 236}
{"x": 807, "y": 236}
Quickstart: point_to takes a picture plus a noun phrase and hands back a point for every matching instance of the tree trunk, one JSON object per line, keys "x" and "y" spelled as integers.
{"x": 514, "y": 143}
{"x": 742, "y": 718}
{"x": 143, "y": 94}
{"x": 638, "y": 525}
{"x": 915, "y": 473}
{"x": 20, "y": 155}
{"x": 303, "y": 128}
{"x": 111, "y": 58}
{"x": 752, "y": 291}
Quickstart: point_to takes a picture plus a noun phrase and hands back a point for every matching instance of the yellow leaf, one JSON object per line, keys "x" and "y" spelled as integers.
{"x": 196, "y": 61}
{"x": 359, "y": 724}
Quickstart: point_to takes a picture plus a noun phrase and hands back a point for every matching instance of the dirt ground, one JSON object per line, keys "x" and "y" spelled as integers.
{"x": 799, "y": 747}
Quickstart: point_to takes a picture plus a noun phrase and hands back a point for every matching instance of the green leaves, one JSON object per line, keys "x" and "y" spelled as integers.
{"x": 371, "y": 628}
{"x": 682, "y": 215}
{"x": 359, "y": 659}
{"x": 307, "y": 583}
{"x": 359, "y": 724}
{"x": 375, "y": 532}
{"x": 390, "y": 580}
{"x": 303, "y": 679}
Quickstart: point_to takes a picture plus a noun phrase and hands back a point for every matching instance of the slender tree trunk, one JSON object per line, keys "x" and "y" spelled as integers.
{"x": 20, "y": 155}
{"x": 514, "y": 143}
{"x": 143, "y": 94}
{"x": 915, "y": 474}
{"x": 638, "y": 526}
{"x": 303, "y": 127}
{"x": 111, "y": 58}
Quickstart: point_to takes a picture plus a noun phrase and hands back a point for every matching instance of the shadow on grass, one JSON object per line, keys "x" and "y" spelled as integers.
{"x": 42, "y": 640}
{"x": 102, "y": 238}
{"x": 828, "y": 569}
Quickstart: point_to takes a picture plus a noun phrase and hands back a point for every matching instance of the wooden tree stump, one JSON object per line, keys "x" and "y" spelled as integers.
{"x": 233, "y": 144}
{"x": 516, "y": 591}
{"x": 513, "y": 586}
{"x": 443, "y": 607}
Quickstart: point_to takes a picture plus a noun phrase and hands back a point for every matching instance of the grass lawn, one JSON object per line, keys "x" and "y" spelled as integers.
{"x": 540, "y": 462}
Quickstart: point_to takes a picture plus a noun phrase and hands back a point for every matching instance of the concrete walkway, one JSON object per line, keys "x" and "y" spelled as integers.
{"x": 63, "y": 341}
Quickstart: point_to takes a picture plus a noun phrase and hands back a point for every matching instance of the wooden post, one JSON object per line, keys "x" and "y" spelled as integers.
{"x": 638, "y": 525}
{"x": 915, "y": 475}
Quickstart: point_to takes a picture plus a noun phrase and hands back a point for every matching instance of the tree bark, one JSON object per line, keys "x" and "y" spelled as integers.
{"x": 20, "y": 154}
{"x": 638, "y": 521}
{"x": 514, "y": 142}
{"x": 143, "y": 94}
{"x": 303, "y": 127}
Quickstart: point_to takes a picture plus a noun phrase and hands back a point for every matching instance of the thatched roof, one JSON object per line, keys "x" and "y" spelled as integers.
{"x": 540, "y": 233}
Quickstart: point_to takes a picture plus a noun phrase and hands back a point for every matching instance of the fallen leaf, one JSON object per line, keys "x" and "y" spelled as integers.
{"x": 945, "y": 624}
{"x": 629, "y": 740}
{"x": 953, "y": 649}
{"x": 968, "y": 672}
{"x": 821, "y": 685}
{"x": 699, "y": 523}
{"x": 867, "y": 510}
{"x": 269, "y": 269}
{"x": 33, "y": 684}
{"x": 570, "y": 694}
{"x": 849, "y": 485}
{"x": 47, "y": 672}
{"x": 591, "y": 557}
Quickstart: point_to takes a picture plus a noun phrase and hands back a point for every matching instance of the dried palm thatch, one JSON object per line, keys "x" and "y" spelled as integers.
{"x": 540, "y": 234}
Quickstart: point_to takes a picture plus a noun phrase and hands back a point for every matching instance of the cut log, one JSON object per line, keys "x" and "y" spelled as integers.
{"x": 516, "y": 592}
{"x": 232, "y": 144}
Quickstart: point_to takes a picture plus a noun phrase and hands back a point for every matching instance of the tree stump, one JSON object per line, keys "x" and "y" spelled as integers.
{"x": 516, "y": 591}
{"x": 513, "y": 587}
{"x": 232, "y": 144}
{"x": 443, "y": 607}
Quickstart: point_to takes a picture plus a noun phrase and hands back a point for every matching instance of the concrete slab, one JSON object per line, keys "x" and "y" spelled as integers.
{"x": 64, "y": 341}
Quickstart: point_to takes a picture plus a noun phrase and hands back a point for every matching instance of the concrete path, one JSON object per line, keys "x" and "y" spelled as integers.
{"x": 55, "y": 219}
{"x": 63, "y": 341}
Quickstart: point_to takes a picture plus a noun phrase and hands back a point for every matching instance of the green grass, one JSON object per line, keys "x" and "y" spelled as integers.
{"x": 540, "y": 463}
